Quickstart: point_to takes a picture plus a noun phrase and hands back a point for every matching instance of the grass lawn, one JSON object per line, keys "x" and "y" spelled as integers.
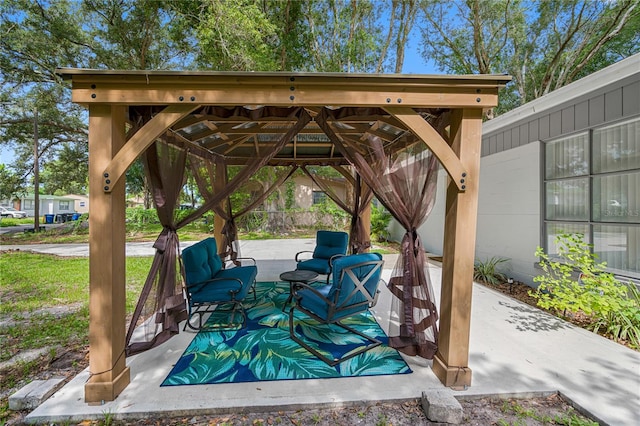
{"x": 31, "y": 285}
{"x": 45, "y": 304}
{"x": 45, "y": 298}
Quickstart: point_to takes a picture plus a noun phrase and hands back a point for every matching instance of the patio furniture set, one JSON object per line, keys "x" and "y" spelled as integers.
{"x": 351, "y": 287}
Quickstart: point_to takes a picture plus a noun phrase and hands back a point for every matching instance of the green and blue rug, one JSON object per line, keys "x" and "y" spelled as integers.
{"x": 263, "y": 350}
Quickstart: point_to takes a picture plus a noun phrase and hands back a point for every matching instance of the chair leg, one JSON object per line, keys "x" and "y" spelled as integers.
{"x": 332, "y": 362}
{"x": 295, "y": 338}
{"x": 236, "y": 308}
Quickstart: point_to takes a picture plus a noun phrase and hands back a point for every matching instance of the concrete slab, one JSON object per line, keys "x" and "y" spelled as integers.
{"x": 514, "y": 349}
{"x": 25, "y": 356}
{"x": 34, "y": 393}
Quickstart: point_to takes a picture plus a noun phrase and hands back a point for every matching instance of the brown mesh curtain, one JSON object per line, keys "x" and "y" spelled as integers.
{"x": 161, "y": 305}
{"x": 359, "y": 240}
{"x": 205, "y": 174}
{"x": 404, "y": 181}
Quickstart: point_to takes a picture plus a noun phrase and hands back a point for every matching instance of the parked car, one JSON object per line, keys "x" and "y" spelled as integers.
{"x": 11, "y": 212}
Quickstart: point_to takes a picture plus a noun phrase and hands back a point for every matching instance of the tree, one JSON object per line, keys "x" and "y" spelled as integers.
{"x": 39, "y": 36}
{"x": 228, "y": 35}
{"x": 9, "y": 183}
{"x": 543, "y": 45}
{"x": 344, "y": 35}
{"x": 68, "y": 173}
{"x": 400, "y": 25}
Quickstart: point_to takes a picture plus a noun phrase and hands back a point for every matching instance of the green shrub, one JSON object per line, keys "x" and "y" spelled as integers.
{"x": 138, "y": 217}
{"x": 487, "y": 271}
{"x": 380, "y": 219}
{"x": 612, "y": 306}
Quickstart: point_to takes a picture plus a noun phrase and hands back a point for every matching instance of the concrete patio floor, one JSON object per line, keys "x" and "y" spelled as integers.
{"x": 514, "y": 349}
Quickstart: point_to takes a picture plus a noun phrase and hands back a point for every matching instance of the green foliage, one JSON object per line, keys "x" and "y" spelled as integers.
{"x": 290, "y": 195}
{"x": 613, "y": 306}
{"x": 137, "y": 217}
{"x": 9, "y": 183}
{"x": 329, "y": 207}
{"x": 380, "y": 219}
{"x": 544, "y": 45}
{"x": 488, "y": 272}
{"x": 235, "y": 36}
{"x": 68, "y": 174}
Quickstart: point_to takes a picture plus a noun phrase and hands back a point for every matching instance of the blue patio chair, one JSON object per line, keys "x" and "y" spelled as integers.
{"x": 329, "y": 244}
{"x": 210, "y": 286}
{"x": 353, "y": 290}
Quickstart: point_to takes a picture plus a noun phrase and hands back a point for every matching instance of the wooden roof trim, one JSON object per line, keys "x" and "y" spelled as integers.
{"x": 285, "y": 78}
{"x": 282, "y": 89}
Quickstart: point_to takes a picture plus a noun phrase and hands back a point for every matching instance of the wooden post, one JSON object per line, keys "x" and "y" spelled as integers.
{"x": 451, "y": 363}
{"x": 109, "y": 373}
{"x": 366, "y": 219}
{"x": 218, "y": 222}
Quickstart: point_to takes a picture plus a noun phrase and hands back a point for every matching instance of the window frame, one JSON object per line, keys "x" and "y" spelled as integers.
{"x": 591, "y": 224}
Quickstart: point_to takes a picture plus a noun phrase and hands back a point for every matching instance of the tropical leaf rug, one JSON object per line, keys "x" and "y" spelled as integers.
{"x": 263, "y": 349}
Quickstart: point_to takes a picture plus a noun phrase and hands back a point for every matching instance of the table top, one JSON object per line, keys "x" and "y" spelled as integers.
{"x": 299, "y": 275}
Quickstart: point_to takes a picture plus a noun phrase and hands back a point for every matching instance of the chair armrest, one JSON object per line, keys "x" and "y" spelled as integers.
{"x": 301, "y": 252}
{"x": 332, "y": 259}
{"x": 299, "y": 286}
{"x": 238, "y": 261}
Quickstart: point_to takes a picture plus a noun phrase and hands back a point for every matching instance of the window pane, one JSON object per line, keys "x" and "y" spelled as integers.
{"x": 567, "y": 157}
{"x": 567, "y": 199}
{"x": 318, "y": 197}
{"x": 617, "y": 148}
{"x": 619, "y": 246}
{"x": 553, "y": 230}
{"x": 616, "y": 198}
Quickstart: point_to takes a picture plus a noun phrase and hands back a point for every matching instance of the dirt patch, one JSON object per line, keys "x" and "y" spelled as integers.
{"x": 547, "y": 410}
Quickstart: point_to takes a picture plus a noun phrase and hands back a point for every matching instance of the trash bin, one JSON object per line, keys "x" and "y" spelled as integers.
{"x": 48, "y": 218}
{"x": 75, "y": 216}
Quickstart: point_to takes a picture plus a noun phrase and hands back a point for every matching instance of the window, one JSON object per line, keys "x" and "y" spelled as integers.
{"x": 592, "y": 187}
{"x": 64, "y": 205}
{"x": 319, "y": 197}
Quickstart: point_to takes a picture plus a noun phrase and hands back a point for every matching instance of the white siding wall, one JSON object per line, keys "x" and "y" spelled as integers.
{"x": 508, "y": 211}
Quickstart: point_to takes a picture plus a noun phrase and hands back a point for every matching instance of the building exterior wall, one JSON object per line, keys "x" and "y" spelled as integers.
{"x": 509, "y": 209}
{"x": 511, "y": 200}
{"x": 49, "y": 204}
{"x": 305, "y": 188}
{"x": 81, "y": 202}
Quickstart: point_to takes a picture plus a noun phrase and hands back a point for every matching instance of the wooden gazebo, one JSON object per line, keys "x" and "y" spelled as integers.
{"x": 235, "y": 116}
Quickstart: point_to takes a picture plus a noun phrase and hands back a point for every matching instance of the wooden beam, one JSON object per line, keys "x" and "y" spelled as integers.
{"x": 109, "y": 374}
{"x": 440, "y": 97}
{"x": 140, "y": 141}
{"x": 451, "y": 363}
{"x": 430, "y": 136}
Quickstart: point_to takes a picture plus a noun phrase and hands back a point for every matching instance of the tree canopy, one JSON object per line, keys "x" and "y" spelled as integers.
{"x": 544, "y": 45}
